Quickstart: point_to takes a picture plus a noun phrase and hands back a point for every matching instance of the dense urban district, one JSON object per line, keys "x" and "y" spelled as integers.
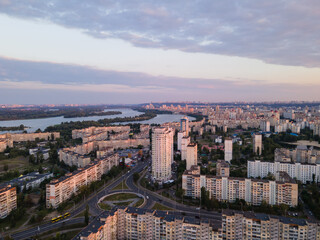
{"x": 237, "y": 171}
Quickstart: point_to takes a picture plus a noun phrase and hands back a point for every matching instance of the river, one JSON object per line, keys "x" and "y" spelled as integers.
{"x": 42, "y": 123}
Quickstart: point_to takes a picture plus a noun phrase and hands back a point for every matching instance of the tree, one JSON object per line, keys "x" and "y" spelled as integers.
{"x": 86, "y": 215}
{"x": 136, "y": 177}
{"x": 5, "y": 167}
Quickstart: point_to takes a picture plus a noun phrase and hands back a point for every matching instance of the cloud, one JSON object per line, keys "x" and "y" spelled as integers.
{"x": 44, "y": 82}
{"x": 275, "y": 31}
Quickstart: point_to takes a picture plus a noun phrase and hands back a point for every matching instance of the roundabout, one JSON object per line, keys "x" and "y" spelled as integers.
{"x": 127, "y": 199}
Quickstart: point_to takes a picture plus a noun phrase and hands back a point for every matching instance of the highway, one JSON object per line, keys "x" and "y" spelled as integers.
{"x": 94, "y": 209}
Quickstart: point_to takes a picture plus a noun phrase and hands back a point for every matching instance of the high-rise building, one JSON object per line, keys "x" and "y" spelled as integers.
{"x": 257, "y": 144}
{"x": 8, "y": 200}
{"x": 179, "y": 140}
{"x": 192, "y": 155}
{"x": 184, "y": 125}
{"x": 162, "y": 153}
{"x": 184, "y": 144}
{"x": 228, "y": 149}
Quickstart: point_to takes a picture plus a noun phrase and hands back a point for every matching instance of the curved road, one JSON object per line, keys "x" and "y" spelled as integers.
{"x": 95, "y": 210}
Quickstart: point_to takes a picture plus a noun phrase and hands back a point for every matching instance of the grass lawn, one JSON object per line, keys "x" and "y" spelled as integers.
{"x": 104, "y": 206}
{"x": 121, "y": 186}
{"x": 139, "y": 203}
{"x": 158, "y": 206}
{"x": 6, "y": 222}
{"x": 123, "y": 203}
{"x": 120, "y": 197}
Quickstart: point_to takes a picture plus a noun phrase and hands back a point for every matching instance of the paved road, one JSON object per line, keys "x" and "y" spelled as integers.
{"x": 91, "y": 201}
{"x": 95, "y": 210}
{"x": 46, "y": 227}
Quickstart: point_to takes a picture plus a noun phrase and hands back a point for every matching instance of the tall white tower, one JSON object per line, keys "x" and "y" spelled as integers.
{"x": 228, "y": 149}
{"x": 162, "y": 153}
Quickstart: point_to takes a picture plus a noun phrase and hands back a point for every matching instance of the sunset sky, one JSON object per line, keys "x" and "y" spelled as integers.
{"x": 137, "y": 51}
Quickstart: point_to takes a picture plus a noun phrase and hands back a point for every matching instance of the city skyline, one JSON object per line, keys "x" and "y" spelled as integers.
{"x": 138, "y": 51}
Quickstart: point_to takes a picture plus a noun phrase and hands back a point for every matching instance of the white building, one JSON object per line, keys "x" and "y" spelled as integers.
{"x": 179, "y": 140}
{"x": 302, "y": 172}
{"x": 192, "y": 155}
{"x": 257, "y": 144}
{"x": 184, "y": 144}
{"x": 228, "y": 149}
{"x": 265, "y": 126}
{"x": 162, "y": 153}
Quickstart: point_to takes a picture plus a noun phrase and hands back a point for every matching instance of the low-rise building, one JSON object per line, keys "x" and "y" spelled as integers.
{"x": 30, "y": 180}
{"x": 223, "y": 168}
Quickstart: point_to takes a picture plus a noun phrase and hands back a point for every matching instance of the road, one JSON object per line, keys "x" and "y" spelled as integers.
{"x": 94, "y": 209}
{"x": 91, "y": 201}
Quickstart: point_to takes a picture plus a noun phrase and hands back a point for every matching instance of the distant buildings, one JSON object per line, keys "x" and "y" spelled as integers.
{"x": 192, "y": 155}
{"x": 228, "y": 189}
{"x": 60, "y": 190}
{"x": 162, "y": 153}
{"x": 8, "y": 200}
{"x": 134, "y": 223}
{"x": 302, "y": 154}
{"x": 7, "y": 139}
{"x": 228, "y": 149}
{"x": 257, "y": 143}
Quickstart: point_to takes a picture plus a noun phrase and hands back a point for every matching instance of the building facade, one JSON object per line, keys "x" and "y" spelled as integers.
{"x": 162, "y": 153}
{"x": 301, "y": 172}
{"x": 228, "y": 149}
{"x": 192, "y": 155}
{"x": 257, "y": 144}
{"x": 253, "y": 191}
{"x": 135, "y": 223}
{"x": 8, "y": 200}
{"x": 60, "y": 190}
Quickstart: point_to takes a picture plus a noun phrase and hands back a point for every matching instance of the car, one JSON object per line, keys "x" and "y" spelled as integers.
{"x": 147, "y": 197}
{"x": 197, "y": 208}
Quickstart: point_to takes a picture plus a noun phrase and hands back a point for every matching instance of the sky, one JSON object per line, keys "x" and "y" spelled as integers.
{"x": 139, "y": 51}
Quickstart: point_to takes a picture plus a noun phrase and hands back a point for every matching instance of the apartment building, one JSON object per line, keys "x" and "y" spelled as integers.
{"x": 60, "y": 190}
{"x": 192, "y": 155}
{"x": 228, "y": 189}
{"x": 8, "y": 200}
{"x": 301, "y": 154}
{"x": 185, "y": 141}
{"x": 257, "y": 143}
{"x": 134, "y": 223}
{"x": 250, "y": 225}
{"x": 162, "y": 153}
{"x": 228, "y": 145}
{"x": 98, "y": 133}
{"x": 301, "y": 172}
{"x": 184, "y": 125}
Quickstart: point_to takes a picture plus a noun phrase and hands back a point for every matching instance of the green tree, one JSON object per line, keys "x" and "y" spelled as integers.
{"x": 86, "y": 215}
